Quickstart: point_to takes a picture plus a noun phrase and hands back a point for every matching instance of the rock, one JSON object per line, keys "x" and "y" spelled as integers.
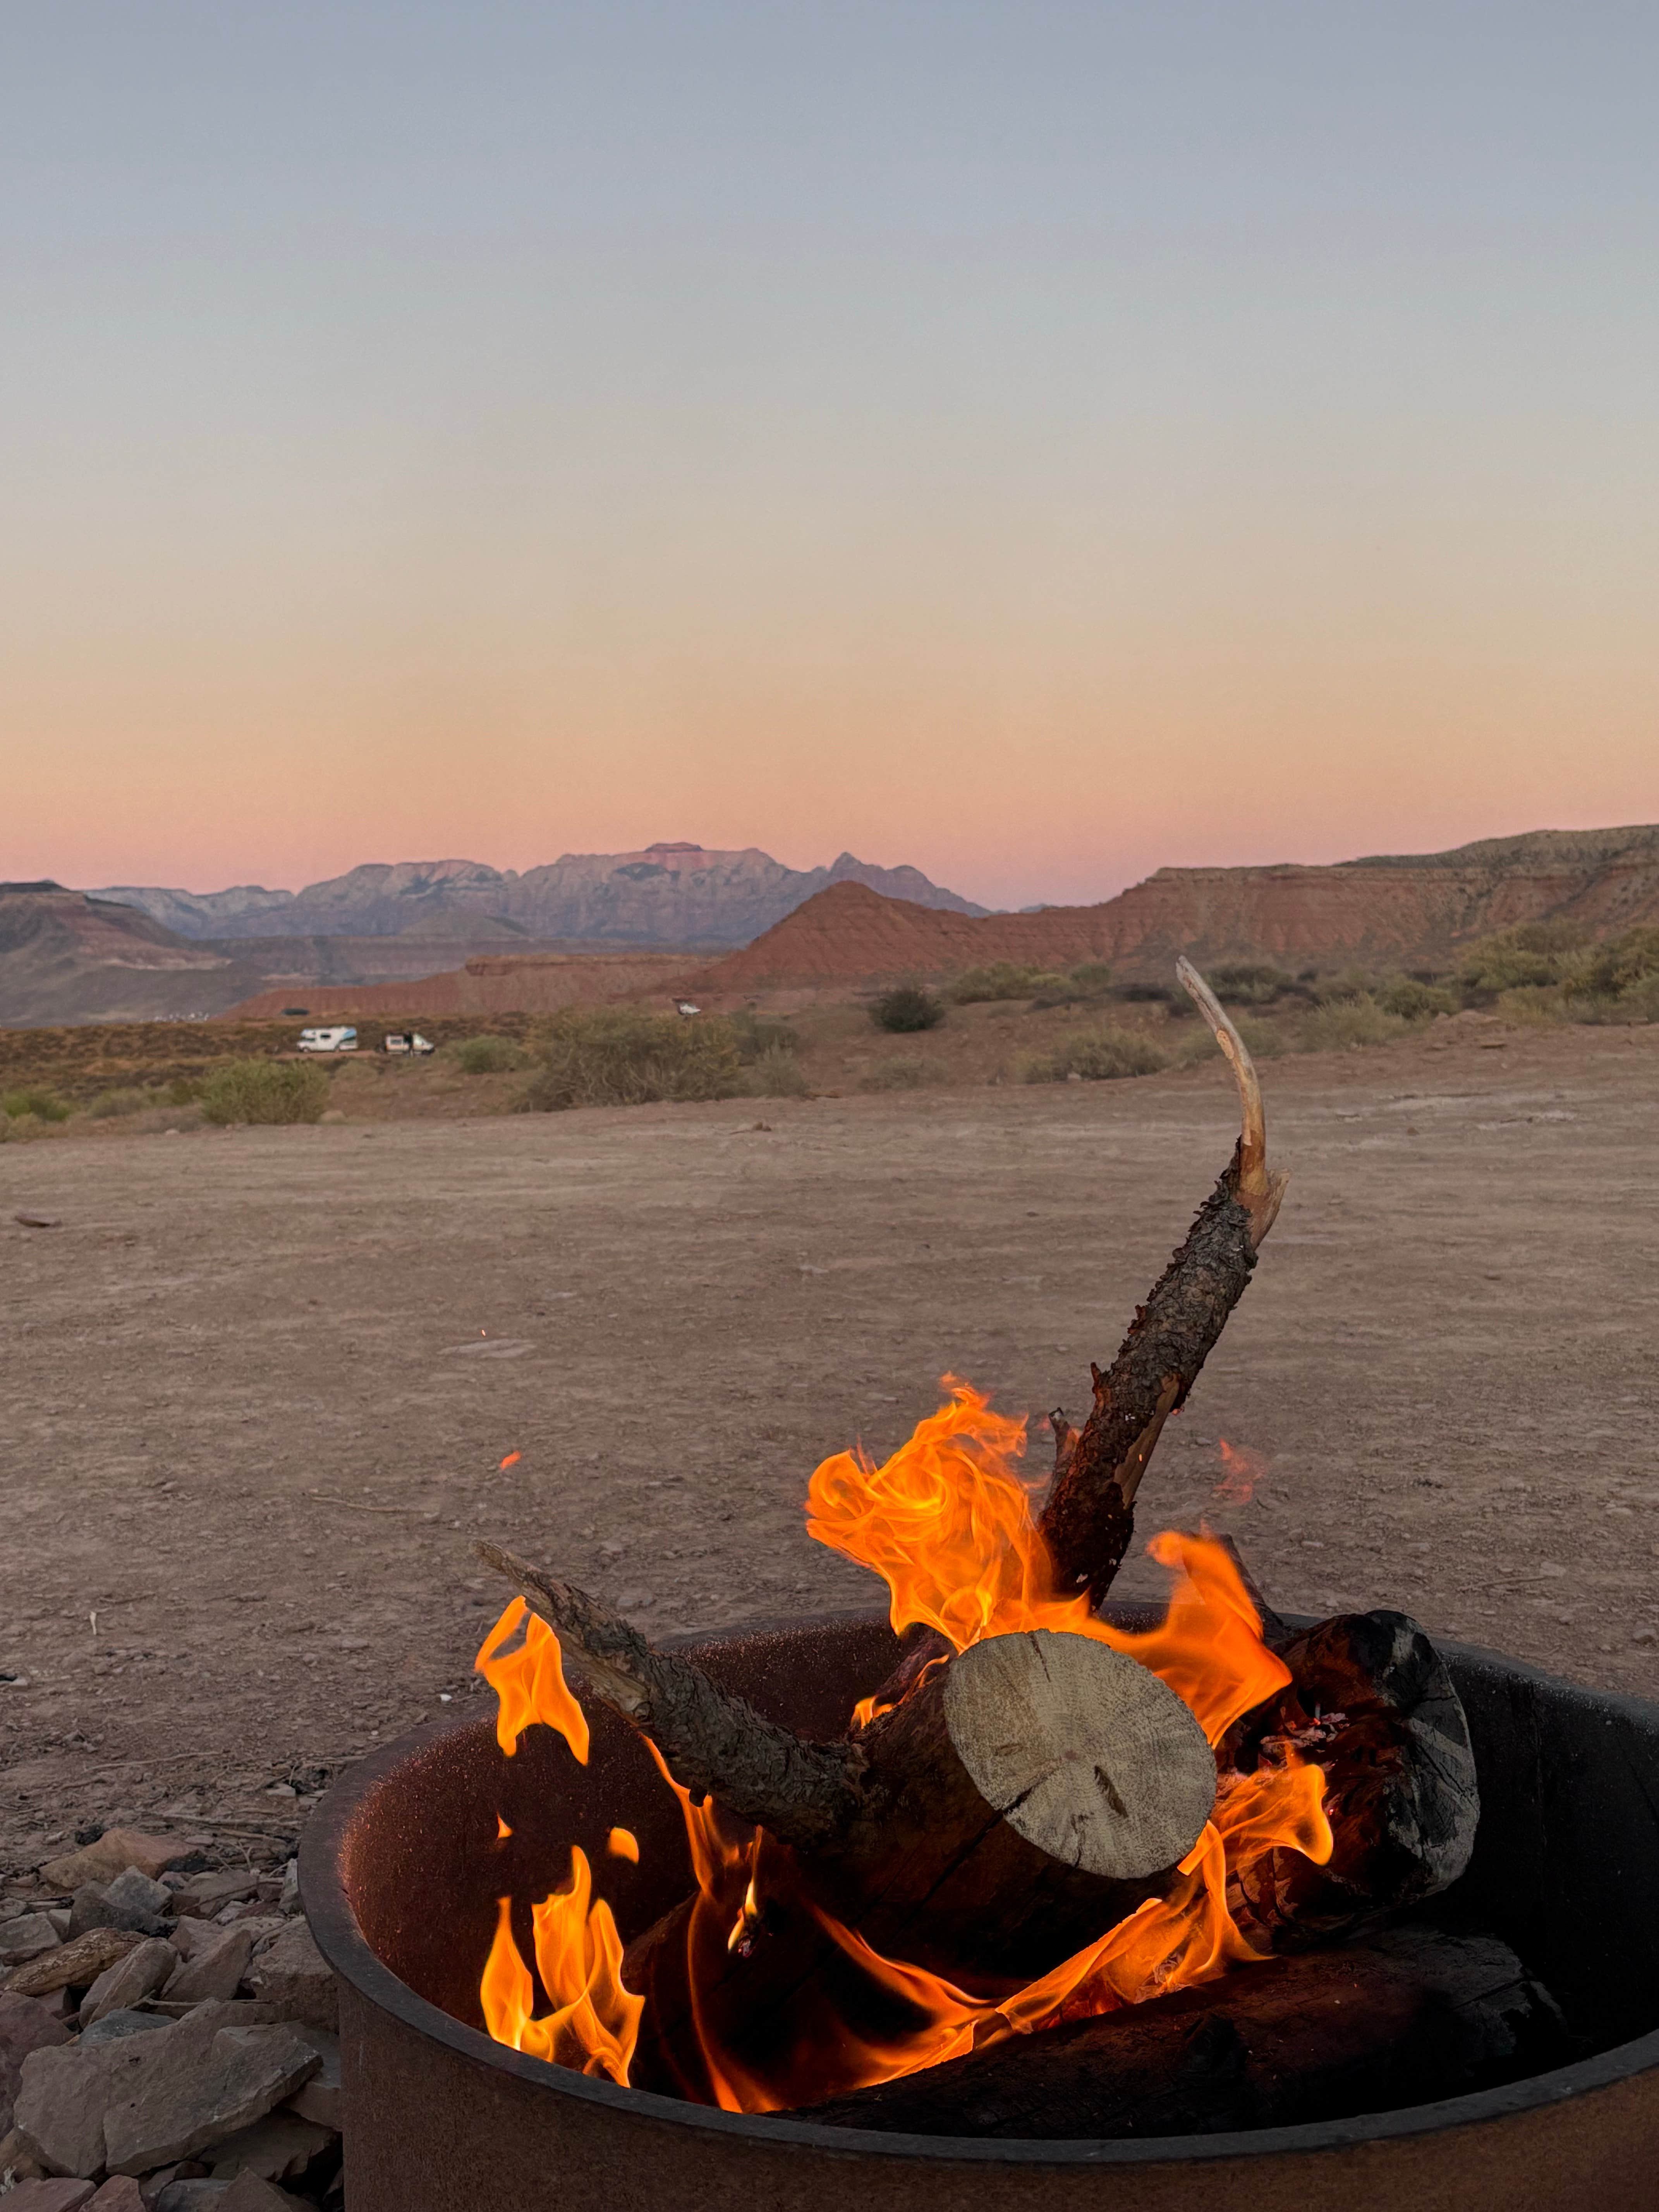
{"x": 87, "y": 1908}
{"x": 115, "y": 1851}
{"x": 288, "y": 1901}
{"x": 25, "y": 2027}
{"x": 26, "y": 1938}
{"x": 250, "y": 2193}
{"x": 121, "y": 2193}
{"x": 185, "y": 2101}
{"x": 28, "y": 1219}
{"x": 49, "y": 2196}
{"x": 60, "y": 2105}
{"x": 188, "y": 1935}
{"x": 16, "y": 2160}
{"x": 76, "y": 1965}
{"x": 190, "y": 2196}
{"x": 140, "y": 1974}
{"x": 214, "y": 1971}
{"x": 320, "y": 2099}
{"x": 133, "y": 1900}
{"x": 60, "y": 1918}
{"x": 184, "y": 2169}
{"x": 293, "y": 1975}
{"x": 277, "y": 2149}
{"x": 201, "y": 1895}
{"x": 110, "y": 2027}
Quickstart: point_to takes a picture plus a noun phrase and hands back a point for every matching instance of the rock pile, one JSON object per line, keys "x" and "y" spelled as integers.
{"x": 168, "y": 2037}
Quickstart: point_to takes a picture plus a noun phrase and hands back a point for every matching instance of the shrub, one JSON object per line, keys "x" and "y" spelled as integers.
{"x": 34, "y": 1098}
{"x": 1002, "y": 979}
{"x": 759, "y": 1034}
{"x": 1534, "y": 952}
{"x": 905, "y": 1072}
{"x": 775, "y": 1072}
{"x": 109, "y": 1105}
{"x": 489, "y": 1055}
{"x": 183, "y": 1091}
{"x": 1101, "y": 1055}
{"x": 1344, "y": 1022}
{"x": 1088, "y": 980}
{"x": 1249, "y": 983}
{"x": 1414, "y": 1001}
{"x": 1620, "y": 966}
{"x": 617, "y": 1056}
{"x": 908, "y": 1008}
{"x": 1262, "y": 1041}
{"x": 19, "y": 1129}
{"x": 264, "y": 1091}
{"x": 1144, "y": 994}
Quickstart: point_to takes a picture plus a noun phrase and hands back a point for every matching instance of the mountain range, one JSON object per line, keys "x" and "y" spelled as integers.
{"x": 667, "y": 894}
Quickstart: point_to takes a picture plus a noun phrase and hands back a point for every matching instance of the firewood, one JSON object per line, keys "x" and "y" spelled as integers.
{"x": 1088, "y": 1519}
{"x": 1024, "y": 1798}
{"x": 1372, "y": 1703}
{"x": 1415, "y": 2014}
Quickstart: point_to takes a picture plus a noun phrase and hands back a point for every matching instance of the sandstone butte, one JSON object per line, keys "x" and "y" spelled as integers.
{"x": 1389, "y": 912}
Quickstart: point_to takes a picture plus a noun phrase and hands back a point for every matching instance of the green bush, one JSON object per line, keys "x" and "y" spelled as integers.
{"x": 1416, "y": 1001}
{"x": 1249, "y": 983}
{"x": 34, "y": 1098}
{"x": 1621, "y": 964}
{"x": 1342, "y": 1024}
{"x": 1534, "y": 952}
{"x": 905, "y": 1072}
{"x": 1102, "y": 1055}
{"x": 1088, "y": 980}
{"x": 1002, "y": 979}
{"x": 489, "y": 1055}
{"x": 908, "y": 1008}
{"x": 1148, "y": 994}
{"x": 617, "y": 1056}
{"x": 264, "y": 1091}
{"x": 110, "y": 1105}
{"x": 775, "y": 1072}
{"x": 19, "y": 1129}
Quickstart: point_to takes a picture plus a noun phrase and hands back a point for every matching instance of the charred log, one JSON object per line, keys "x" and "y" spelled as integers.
{"x": 1088, "y": 1519}
{"x": 1372, "y": 1703}
{"x": 1414, "y": 2016}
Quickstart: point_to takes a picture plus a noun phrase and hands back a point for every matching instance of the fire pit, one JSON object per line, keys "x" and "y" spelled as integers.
{"x": 402, "y": 1900}
{"x": 1010, "y": 1896}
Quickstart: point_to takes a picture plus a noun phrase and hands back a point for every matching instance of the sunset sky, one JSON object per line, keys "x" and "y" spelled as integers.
{"x": 1038, "y": 442}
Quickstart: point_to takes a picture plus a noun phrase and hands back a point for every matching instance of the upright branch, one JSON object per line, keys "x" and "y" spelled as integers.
{"x": 1090, "y": 1517}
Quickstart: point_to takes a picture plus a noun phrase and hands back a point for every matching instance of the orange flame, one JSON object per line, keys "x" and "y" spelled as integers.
{"x": 947, "y": 1521}
{"x": 512, "y": 1460}
{"x": 530, "y": 1683}
{"x": 1241, "y": 1470}
{"x": 624, "y": 1844}
{"x": 595, "y": 2022}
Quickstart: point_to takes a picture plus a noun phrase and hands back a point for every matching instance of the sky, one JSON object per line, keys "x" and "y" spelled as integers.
{"x": 1040, "y": 443}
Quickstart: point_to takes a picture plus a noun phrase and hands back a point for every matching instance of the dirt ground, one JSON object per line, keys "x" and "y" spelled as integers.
{"x": 259, "y": 1383}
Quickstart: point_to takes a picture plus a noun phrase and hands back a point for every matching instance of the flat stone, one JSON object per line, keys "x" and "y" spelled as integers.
{"x": 17, "y": 2159}
{"x": 120, "y": 2193}
{"x": 26, "y": 1938}
{"x": 25, "y": 2027}
{"x": 76, "y": 1965}
{"x": 277, "y": 2149}
{"x": 202, "y": 1894}
{"x": 185, "y": 2099}
{"x": 192, "y": 2197}
{"x": 111, "y": 2027}
{"x": 60, "y": 2105}
{"x": 115, "y": 1851}
{"x": 214, "y": 1971}
{"x": 293, "y": 1975}
{"x": 65, "y": 2196}
{"x": 288, "y": 1900}
{"x": 133, "y": 1900}
{"x": 142, "y": 1972}
{"x": 188, "y": 1935}
{"x": 321, "y": 2099}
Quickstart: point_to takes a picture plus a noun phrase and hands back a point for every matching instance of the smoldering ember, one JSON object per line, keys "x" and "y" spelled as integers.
{"x": 1007, "y": 1893}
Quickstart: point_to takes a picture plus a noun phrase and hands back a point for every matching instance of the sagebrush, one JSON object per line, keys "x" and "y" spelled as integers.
{"x": 264, "y": 1091}
{"x": 1098, "y": 1055}
{"x": 617, "y": 1056}
{"x": 906, "y": 1009}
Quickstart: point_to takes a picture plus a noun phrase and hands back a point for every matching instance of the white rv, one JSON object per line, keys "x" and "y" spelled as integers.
{"x": 334, "y": 1040}
{"x": 408, "y": 1041}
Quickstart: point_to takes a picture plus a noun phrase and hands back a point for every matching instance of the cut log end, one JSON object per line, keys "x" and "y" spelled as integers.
{"x": 1085, "y": 1754}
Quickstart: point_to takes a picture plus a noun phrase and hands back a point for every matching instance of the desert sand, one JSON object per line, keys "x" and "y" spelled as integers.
{"x": 261, "y": 1382}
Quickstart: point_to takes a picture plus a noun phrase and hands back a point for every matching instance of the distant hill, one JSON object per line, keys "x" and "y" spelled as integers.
{"x": 64, "y": 956}
{"x": 668, "y": 894}
{"x": 1386, "y": 911}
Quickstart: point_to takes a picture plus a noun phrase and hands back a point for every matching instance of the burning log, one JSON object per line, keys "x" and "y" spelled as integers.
{"x": 1370, "y": 1701}
{"x": 1088, "y": 1519}
{"x": 1414, "y": 2017}
{"x": 1017, "y": 1802}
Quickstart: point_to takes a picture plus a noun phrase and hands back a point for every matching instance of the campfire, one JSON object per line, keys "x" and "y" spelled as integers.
{"x": 954, "y": 1916}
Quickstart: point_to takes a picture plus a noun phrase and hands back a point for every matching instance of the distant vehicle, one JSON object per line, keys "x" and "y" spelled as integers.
{"x": 685, "y": 1006}
{"x": 410, "y": 1041}
{"x": 331, "y": 1040}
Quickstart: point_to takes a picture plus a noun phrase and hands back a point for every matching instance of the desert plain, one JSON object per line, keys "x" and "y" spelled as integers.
{"x": 264, "y": 1386}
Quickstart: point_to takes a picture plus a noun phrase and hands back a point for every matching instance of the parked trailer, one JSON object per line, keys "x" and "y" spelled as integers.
{"x": 408, "y": 1041}
{"x": 328, "y": 1040}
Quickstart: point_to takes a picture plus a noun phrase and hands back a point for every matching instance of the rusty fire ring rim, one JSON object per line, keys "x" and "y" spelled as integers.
{"x": 334, "y": 1927}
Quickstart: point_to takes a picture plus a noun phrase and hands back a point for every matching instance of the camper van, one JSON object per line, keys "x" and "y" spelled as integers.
{"x": 335, "y": 1040}
{"x": 408, "y": 1041}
